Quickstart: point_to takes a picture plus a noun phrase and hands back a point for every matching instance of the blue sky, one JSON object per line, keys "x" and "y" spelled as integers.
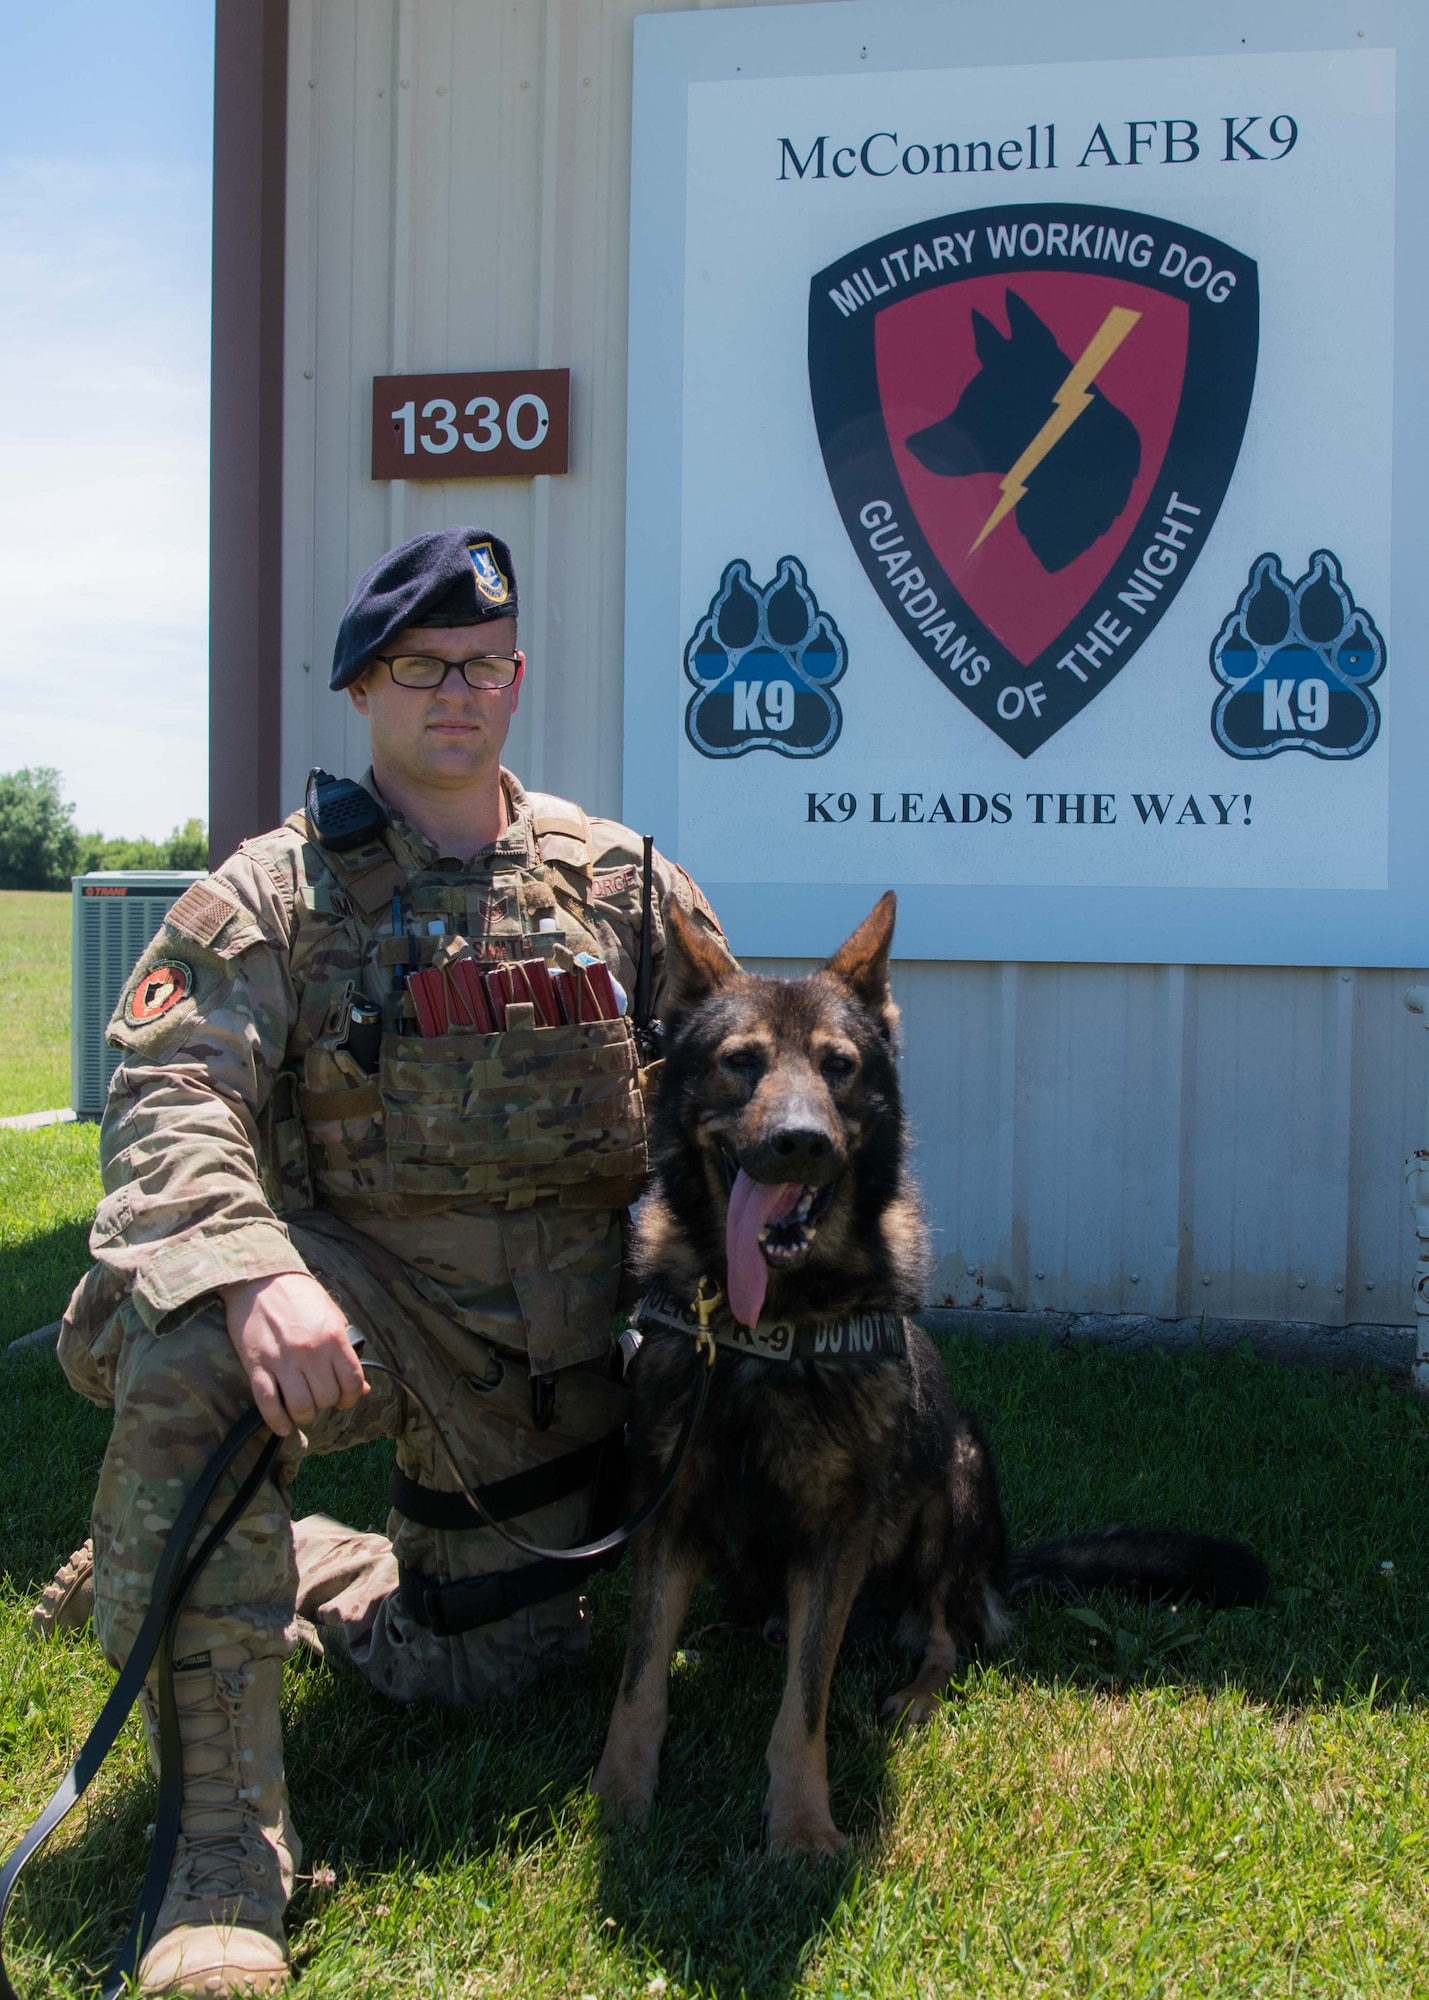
{"x": 105, "y": 185}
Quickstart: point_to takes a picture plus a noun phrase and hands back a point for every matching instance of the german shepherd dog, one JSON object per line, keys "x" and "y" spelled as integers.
{"x": 782, "y": 1185}
{"x": 1085, "y": 480}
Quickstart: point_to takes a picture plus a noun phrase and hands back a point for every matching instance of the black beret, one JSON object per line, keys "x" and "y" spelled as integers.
{"x": 459, "y": 576}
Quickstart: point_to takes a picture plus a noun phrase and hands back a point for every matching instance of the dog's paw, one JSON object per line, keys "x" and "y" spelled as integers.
{"x": 626, "y": 1789}
{"x": 764, "y": 659}
{"x": 793, "y": 1833}
{"x": 911, "y": 1707}
{"x": 1296, "y": 661}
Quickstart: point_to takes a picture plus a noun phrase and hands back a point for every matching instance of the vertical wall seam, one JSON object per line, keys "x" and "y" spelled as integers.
{"x": 399, "y": 323}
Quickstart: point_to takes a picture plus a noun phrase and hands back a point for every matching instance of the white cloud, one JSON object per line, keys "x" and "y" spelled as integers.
{"x": 104, "y": 485}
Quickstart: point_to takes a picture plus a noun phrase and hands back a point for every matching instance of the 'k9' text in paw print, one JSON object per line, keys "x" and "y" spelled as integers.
{"x": 764, "y": 660}
{"x": 1296, "y": 662}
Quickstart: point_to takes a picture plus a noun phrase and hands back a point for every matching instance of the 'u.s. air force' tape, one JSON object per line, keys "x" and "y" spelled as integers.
{"x": 860, "y": 1336}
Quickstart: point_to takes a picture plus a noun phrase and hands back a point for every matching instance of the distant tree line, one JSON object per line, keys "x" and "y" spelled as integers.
{"x": 41, "y": 847}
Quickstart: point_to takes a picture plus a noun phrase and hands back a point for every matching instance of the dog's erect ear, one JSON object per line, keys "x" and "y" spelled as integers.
{"x": 696, "y": 964}
{"x": 1026, "y": 330}
{"x": 861, "y": 962}
{"x": 987, "y": 341}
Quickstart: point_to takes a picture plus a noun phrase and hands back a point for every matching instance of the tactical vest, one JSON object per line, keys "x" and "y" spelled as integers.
{"x": 462, "y": 1118}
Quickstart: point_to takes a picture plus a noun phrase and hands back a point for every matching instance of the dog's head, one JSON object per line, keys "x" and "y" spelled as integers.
{"x": 779, "y": 1131}
{"x": 1004, "y": 404}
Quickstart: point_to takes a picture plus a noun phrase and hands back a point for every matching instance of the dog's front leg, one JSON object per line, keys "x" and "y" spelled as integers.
{"x": 661, "y": 1589}
{"x": 796, "y": 1809}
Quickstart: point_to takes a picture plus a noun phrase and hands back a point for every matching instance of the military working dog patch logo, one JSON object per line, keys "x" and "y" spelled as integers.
{"x": 764, "y": 660}
{"x": 1296, "y": 662}
{"x": 1029, "y": 417}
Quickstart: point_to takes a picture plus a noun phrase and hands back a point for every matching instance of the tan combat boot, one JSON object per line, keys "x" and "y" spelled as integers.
{"x": 68, "y": 1602}
{"x": 220, "y": 1927}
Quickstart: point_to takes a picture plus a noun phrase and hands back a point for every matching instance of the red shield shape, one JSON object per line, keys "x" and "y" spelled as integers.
{"x": 927, "y": 357}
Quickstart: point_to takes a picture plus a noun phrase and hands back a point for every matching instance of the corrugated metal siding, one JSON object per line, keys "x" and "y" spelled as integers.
{"x": 1120, "y": 1138}
{"x": 1166, "y": 1139}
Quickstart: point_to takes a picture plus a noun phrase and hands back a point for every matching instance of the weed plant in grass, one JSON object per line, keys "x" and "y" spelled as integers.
{"x": 34, "y": 1000}
{"x": 1131, "y": 1801}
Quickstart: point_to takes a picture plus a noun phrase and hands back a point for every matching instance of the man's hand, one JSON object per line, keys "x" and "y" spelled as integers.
{"x": 292, "y": 1341}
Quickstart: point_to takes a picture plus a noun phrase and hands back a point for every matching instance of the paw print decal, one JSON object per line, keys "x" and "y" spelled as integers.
{"x": 1297, "y": 661}
{"x": 764, "y": 661}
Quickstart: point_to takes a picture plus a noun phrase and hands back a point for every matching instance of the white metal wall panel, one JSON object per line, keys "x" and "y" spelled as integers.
{"x": 1169, "y": 1140}
{"x": 1152, "y": 1139}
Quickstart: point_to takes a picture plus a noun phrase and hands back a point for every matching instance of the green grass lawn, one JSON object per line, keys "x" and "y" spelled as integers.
{"x": 34, "y": 1000}
{"x": 1130, "y": 1801}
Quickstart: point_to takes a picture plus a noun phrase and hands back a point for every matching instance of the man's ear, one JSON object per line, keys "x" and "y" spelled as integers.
{"x": 696, "y": 964}
{"x": 861, "y": 962}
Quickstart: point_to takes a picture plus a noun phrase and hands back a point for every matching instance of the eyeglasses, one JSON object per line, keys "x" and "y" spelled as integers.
{"x": 484, "y": 671}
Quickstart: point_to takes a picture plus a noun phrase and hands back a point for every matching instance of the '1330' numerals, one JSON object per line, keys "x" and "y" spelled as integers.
{"x": 527, "y": 422}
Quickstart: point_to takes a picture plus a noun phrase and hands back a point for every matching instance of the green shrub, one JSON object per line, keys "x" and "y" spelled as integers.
{"x": 186, "y": 847}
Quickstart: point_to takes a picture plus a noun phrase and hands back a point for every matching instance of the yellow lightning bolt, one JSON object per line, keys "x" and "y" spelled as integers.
{"x": 1071, "y": 399}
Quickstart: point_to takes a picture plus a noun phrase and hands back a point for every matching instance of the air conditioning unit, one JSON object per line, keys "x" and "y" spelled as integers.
{"x": 114, "y": 915}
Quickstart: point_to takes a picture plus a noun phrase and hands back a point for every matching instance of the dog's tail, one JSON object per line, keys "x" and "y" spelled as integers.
{"x": 1152, "y": 1562}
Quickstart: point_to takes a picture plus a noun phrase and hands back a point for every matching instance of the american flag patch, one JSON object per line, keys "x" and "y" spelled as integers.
{"x": 200, "y": 914}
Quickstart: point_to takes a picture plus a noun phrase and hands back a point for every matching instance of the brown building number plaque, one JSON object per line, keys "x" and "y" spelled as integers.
{"x": 505, "y": 425}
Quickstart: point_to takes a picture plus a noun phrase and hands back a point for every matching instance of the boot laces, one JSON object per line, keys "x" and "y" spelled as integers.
{"x": 218, "y": 1861}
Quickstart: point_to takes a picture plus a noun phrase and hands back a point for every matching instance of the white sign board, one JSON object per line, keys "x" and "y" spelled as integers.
{"x": 1027, "y": 493}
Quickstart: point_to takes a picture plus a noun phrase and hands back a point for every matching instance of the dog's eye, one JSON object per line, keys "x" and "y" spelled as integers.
{"x": 744, "y": 1062}
{"x": 838, "y": 1068}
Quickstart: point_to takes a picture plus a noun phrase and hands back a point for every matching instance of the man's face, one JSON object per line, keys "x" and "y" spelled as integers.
{"x": 448, "y": 736}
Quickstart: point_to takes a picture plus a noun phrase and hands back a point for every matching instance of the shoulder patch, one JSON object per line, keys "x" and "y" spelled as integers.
{"x": 615, "y": 881}
{"x": 691, "y": 896}
{"x": 157, "y": 992}
{"x": 201, "y": 913}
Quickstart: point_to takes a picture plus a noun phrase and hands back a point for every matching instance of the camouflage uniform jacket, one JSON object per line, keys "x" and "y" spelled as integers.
{"x": 237, "y": 1103}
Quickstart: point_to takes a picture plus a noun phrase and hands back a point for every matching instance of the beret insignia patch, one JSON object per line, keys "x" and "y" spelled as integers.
{"x": 490, "y": 581}
{"x": 157, "y": 992}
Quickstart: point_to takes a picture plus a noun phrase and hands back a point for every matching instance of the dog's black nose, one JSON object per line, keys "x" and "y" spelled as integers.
{"x": 797, "y": 1153}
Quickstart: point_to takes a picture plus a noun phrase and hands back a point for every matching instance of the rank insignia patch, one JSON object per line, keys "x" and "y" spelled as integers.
{"x": 490, "y": 580}
{"x": 764, "y": 660}
{"x": 157, "y": 992}
{"x": 1029, "y": 417}
{"x": 1296, "y": 662}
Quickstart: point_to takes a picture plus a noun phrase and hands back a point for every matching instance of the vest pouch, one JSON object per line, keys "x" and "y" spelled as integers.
{"x": 532, "y": 1107}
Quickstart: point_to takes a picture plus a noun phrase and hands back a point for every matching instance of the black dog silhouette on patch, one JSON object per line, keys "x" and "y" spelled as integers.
{"x": 1073, "y": 494}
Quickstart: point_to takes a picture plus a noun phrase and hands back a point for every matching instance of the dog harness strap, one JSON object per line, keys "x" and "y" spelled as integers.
{"x": 449, "y": 1609}
{"x": 858, "y": 1336}
{"x": 503, "y": 1499}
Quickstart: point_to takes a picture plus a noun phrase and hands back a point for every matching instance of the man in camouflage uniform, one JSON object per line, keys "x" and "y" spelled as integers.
{"x": 276, "y": 1178}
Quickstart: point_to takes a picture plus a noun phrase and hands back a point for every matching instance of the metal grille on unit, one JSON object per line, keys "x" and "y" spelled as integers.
{"x": 115, "y": 914}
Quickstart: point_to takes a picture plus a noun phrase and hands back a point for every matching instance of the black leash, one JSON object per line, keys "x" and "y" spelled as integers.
{"x": 174, "y": 1579}
{"x": 606, "y": 1544}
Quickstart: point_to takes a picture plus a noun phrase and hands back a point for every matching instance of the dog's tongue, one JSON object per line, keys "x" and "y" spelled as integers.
{"x": 751, "y": 1205}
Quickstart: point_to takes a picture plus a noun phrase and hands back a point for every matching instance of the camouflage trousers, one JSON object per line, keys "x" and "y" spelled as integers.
{"x": 177, "y": 1393}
